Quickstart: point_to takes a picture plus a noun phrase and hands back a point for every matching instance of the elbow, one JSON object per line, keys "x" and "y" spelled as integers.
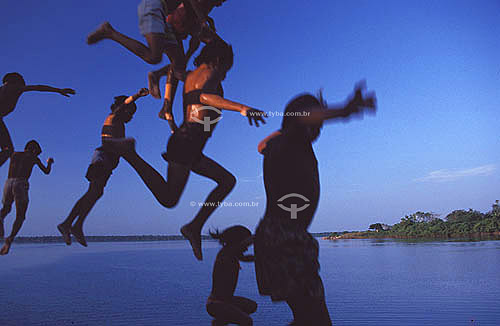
{"x": 205, "y": 99}
{"x": 210, "y": 100}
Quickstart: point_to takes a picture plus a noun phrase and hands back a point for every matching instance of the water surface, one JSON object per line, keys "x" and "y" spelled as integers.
{"x": 368, "y": 282}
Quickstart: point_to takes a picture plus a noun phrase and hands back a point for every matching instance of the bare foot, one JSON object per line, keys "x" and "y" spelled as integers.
{"x": 103, "y": 31}
{"x": 194, "y": 239}
{"x": 154, "y": 85}
{"x": 6, "y": 247}
{"x": 163, "y": 114}
{"x": 65, "y": 232}
{"x": 78, "y": 234}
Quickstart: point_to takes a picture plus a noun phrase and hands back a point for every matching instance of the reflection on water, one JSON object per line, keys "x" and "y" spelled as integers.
{"x": 368, "y": 282}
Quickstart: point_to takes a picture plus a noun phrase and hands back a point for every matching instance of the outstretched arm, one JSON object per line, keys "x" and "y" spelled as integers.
{"x": 44, "y": 88}
{"x": 246, "y": 111}
{"x": 141, "y": 93}
{"x": 357, "y": 104}
{"x": 45, "y": 169}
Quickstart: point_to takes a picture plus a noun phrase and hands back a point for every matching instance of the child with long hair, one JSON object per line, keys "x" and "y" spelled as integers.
{"x": 222, "y": 304}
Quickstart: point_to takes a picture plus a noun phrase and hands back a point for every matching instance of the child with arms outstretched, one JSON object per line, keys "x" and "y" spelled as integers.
{"x": 104, "y": 161}
{"x": 12, "y": 88}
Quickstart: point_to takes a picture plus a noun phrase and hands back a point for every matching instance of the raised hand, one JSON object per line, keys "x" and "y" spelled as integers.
{"x": 361, "y": 102}
{"x": 143, "y": 92}
{"x": 67, "y": 91}
{"x": 256, "y": 116}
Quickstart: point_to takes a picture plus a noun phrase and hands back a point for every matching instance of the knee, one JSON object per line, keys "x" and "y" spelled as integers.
{"x": 252, "y": 307}
{"x": 247, "y": 322}
{"x": 5, "y": 210}
{"x": 227, "y": 184}
{"x": 154, "y": 58}
{"x": 169, "y": 202}
{"x": 20, "y": 217}
{"x": 7, "y": 150}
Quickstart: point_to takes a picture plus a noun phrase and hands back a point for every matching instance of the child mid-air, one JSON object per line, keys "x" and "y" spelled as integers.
{"x": 222, "y": 304}
{"x": 104, "y": 161}
{"x": 12, "y": 88}
{"x": 16, "y": 187}
{"x": 184, "y": 24}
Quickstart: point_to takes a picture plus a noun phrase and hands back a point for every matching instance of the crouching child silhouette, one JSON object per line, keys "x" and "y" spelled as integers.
{"x": 104, "y": 161}
{"x": 222, "y": 304}
{"x": 16, "y": 188}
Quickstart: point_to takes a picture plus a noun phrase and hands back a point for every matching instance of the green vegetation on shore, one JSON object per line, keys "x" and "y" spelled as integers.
{"x": 457, "y": 224}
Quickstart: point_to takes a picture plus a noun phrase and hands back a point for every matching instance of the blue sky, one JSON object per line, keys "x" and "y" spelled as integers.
{"x": 432, "y": 146}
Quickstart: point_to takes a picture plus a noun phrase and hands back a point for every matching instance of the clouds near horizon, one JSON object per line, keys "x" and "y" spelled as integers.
{"x": 447, "y": 175}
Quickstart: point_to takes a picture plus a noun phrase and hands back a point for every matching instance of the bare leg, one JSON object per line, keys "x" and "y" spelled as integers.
{"x": 247, "y": 305}
{"x": 176, "y": 72}
{"x": 81, "y": 209}
{"x": 167, "y": 192}
{"x": 21, "y": 208}
{"x": 5, "y": 143}
{"x": 226, "y": 313}
{"x": 154, "y": 80}
{"x": 178, "y": 60}
{"x": 152, "y": 54}
{"x": 6, "y": 247}
{"x": 225, "y": 183}
{"x": 309, "y": 311}
{"x": 170, "y": 90}
{"x": 3, "y": 213}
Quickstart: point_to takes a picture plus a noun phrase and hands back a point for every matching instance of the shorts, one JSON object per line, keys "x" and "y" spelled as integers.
{"x": 286, "y": 261}
{"x": 102, "y": 165}
{"x": 15, "y": 189}
{"x": 152, "y": 19}
{"x": 186, "y": 145}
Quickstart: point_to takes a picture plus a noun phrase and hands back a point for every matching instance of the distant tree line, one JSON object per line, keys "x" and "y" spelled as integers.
{"x": 428, "y": 224}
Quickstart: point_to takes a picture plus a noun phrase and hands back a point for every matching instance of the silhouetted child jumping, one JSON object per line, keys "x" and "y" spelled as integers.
{"x": 104, "y": 161}
{"x": 222, "y": 304}
{"x": 16, "y": 188}
{"x": 184, "y": 23}
{"x": 286, "y": 254}
{"x": 159, "y": 34}
{"x": 13, "y": 87}
{"x": 184, "y": 155}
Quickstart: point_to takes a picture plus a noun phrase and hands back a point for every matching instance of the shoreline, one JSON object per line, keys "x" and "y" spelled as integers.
{"x": 124, "y": 238}
{"x": 382, "y": 235}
